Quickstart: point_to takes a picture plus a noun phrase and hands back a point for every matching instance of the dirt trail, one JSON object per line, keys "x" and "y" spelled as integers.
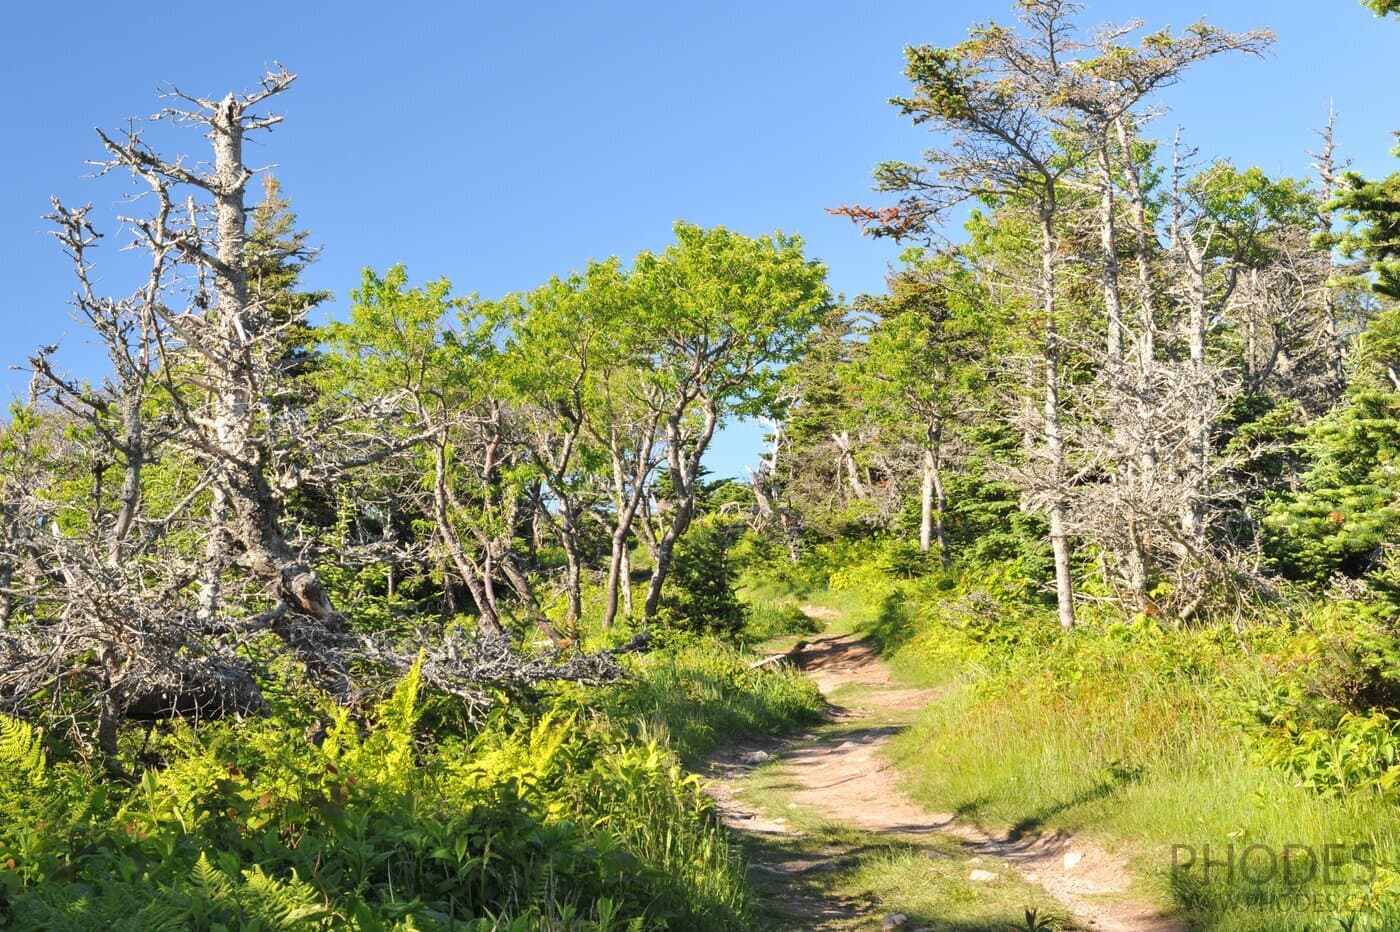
{"x": 843, "y": 778}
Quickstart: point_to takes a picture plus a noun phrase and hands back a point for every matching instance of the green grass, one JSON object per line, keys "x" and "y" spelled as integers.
{"x": 770, "y": 619}
{"x": 703, "y": 694}
{"x": 1129, "y": 738}
{"x": 1130, "y": 734}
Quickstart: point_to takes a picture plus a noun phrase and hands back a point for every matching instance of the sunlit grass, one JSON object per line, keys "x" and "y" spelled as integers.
{"x": 1142, "y": 757}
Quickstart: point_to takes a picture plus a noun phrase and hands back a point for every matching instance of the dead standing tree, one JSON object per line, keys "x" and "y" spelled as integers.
{"x": 109, "y": 618}
{"x": 1001, "y": 98}
{"x": 236, "y": 340}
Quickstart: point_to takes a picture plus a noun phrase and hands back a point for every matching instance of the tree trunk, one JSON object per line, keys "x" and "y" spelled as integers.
{"x": 1199, "y": 428}
{"x": 626, "y": 568}
{"x": 940, "y": 510}
{"x": 933, "y": 501}
{"x": 847, "y": 464}
{"x": 685, "y": 469}
{"x": 1140, "y": 562}
{"x": 626, "y": 502}
{"x": 1054, "y": 438}
{"x": 573, "y": 573}
{"x": 926, "y": 505}
{"x": 1108, "y": 243}
{"x": 472, "y": 576}
{"x": 252, "y": 506}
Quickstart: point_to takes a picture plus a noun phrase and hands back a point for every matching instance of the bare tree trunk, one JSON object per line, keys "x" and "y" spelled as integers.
{"x": 1108, "y": 243}
{"x": 6, "y": 574}
{"x": 1054, "y": 438}
{"x": 625, "y": 565}
{"x": 573, "y": 572}
{"x": 1192, "y": 255}
{"x": 926, "y": 505}
{"x": 933, "y": 507}
{"x": 1328, "y": 171}
{"x": 1196, "y": 301}
{"x": 626, "y": 501}
{"x": 472, "y": 576}
{"x": 848, "y": 465}
{"x": 1139, "y": 562}
{"x": 940, "y": 511}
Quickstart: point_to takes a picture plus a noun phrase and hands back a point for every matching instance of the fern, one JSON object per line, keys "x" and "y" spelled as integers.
{"x": 282, "y": 904}
{"x": 210, "y": 881}
{"x": 21, "y": 754}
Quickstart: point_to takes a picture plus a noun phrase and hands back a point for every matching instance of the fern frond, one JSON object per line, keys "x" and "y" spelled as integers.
{"x": 282, "y": 904}
{"x": 21, "y": 752}
{"x": 211, "y": 881}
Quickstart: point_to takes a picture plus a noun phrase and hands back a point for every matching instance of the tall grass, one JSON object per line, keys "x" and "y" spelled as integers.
{"x": 704, "y": 693}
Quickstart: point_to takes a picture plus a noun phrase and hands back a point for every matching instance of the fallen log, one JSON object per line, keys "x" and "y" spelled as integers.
{"x": 792, "y": 653}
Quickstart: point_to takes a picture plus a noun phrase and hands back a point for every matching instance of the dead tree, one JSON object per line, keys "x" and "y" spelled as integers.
{"x": 1001, "y": 96}
{"x": 135, "y": 599}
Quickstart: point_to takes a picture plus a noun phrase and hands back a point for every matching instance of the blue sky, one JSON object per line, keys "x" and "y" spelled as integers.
{"x": 496, "y": 144}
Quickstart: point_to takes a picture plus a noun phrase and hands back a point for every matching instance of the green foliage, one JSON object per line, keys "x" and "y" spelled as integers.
{"x": 701, "y": 597}
{"x": 768, "y": 619}
{"x": 21, "y": 754}
{"x": 1280, "y": 733}
{"x": 741, "y": 306}
{"x": 1346, "y": 510}
{"x": 312, "y": 819}
{"x": 705, "y": 692}
{"x": 1372, "y": 208}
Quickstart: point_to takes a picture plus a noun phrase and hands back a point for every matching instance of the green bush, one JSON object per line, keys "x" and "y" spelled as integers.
{"x": 700, "y": 591}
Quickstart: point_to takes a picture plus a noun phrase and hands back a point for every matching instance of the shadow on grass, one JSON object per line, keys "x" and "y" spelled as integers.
{"x": 1117, "y": 778}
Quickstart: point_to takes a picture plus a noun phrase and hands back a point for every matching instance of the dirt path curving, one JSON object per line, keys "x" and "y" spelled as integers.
{"x": 840, "y": 776}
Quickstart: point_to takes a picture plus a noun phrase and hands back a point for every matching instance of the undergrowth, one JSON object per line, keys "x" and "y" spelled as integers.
{"x": 568, "y": 812}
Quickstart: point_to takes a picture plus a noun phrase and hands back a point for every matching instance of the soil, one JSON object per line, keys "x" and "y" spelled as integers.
{"x": 842, "y": 777}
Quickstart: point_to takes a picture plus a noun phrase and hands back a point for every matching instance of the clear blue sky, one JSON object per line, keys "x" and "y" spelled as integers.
{"x": 499, "y": 143}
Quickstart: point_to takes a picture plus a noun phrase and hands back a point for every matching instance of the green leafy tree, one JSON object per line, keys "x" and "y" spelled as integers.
{"x": 565, "y": 340}
{"x": 812, "y": 475}
{"x": 924, "y": 373}
{"x": 1347, "y": 511}
{"x": 278, "y": 252}
{"x": 1372, "y": 210}
{"x": 719, "y": 313}
{"x": 427, "y": 387}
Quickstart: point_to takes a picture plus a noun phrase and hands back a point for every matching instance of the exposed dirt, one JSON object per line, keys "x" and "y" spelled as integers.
{"x": 842, "y": 777}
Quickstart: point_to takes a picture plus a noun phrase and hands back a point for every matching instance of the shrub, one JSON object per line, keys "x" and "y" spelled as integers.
{"x": 555, "y": 820}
